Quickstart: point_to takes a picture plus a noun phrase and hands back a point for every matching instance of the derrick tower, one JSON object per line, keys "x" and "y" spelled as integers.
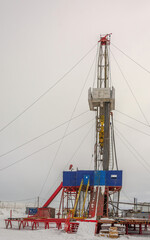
{"x": 102, "y": 101}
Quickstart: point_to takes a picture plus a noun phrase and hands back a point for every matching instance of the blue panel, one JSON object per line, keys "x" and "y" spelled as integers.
{"x": 99, "y": 178}
{"x": 32, "y": 211}
{"x": 69, "y": 178}
{"x": 102, "y": 178}
{"x": 81, "y": 174}
{"x": 86, "y": 179}
{"x": 114, "y": 178}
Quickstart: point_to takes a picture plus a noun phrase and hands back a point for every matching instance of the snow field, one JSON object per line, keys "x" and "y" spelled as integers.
{"x": 85, "y": 231}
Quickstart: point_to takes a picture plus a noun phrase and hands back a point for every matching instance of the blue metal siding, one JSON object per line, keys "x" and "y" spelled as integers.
{"x": 114, "y": 178}
{"x": 99, "y": 178}
{"x": 81, "y": 174}
{"x": 86, "y": 179}
{"x": 69, "y": 178}
{"x": 102, "y": 178}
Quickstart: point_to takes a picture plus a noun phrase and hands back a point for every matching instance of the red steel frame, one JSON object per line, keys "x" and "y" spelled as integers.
{"x": 69, "y": 194}
{"x": 130, "y": 225}
{"x": 72, "y": 226}
{"x": 53, "y": 195}
{"x": 69, "y": 227}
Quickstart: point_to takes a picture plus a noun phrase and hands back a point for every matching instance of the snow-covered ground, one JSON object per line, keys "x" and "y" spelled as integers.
{"x": 85, "y": 231}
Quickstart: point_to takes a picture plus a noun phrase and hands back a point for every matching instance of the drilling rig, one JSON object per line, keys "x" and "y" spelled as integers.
{"x": 102, "y": 101}
{"x": 87, "y": 193}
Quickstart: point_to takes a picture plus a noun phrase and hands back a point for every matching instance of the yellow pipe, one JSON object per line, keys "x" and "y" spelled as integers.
{"x": 80, "y": 188}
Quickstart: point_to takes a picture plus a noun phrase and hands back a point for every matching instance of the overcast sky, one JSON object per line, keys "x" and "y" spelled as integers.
{"x": 40, "y": 41}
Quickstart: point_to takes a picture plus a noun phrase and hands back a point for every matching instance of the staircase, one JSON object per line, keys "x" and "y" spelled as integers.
{"x": 93, "y": 200}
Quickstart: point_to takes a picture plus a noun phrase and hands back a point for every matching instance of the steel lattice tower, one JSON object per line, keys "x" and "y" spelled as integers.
{"x": 102, "y": 100}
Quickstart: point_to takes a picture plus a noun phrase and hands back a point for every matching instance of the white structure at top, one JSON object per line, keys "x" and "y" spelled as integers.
{"x": 103, "y": 92}
{"x": 97, "y": 96}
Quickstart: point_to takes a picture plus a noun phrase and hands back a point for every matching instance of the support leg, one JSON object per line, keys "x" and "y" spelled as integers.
{"x": 140, "y": 228}
{"x": 127, "y": 226}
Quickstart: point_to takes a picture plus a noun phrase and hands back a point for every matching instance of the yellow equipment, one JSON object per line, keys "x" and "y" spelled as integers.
{"x": 101, "y": 133}
{"x": 80, "y": 188}
{"x": 77, "y": 199}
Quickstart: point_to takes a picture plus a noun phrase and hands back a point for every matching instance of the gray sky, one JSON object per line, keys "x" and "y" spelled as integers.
{"x": 40, "y": 41}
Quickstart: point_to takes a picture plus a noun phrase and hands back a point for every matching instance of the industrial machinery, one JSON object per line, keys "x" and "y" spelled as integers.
{"x": 86, "y": 194}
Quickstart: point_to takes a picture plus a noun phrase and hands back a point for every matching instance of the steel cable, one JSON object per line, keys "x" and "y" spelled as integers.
{"x": 20, "y": 160}
{"x": 130, "y": 89}
{"x": 41, "y": 135}
{"x": 47, "y": 91}
{"x": 67, "y": 128}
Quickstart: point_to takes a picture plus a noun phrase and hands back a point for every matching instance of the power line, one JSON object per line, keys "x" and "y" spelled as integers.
{"x": 146, "y": 70}
{"x": 77, "y": 149}
{"x": 125, "y": 194}
{"x": 130, "y": 89}
{"x": 67, "y": 127}
{"x": 50, "y": 130}
{"x": 20, "y": 160}
{"x": 132, "y": 128}
{"x": 41, "y": 135}
{"x": 132, "y": 118}
{"x": 47, "y": 91}
{"x": 79, "y": 146}
{"x": 135, "y": 150}
{"x": 126, "y": 143}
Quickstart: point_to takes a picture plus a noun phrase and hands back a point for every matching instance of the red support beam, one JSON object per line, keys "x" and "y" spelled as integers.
{"x": 53, "y": 195}
{"x": 127, "y": 225}
{"x": 140, "y": 228}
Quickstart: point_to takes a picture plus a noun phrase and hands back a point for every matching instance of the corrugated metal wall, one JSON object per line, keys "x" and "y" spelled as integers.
{"x": 97, "y": 178}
